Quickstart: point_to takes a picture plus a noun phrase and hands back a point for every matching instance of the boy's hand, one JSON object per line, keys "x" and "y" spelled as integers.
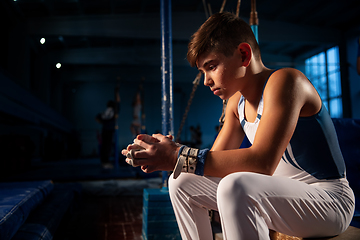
{"x": 130, "y": 154}
{"x": 159, "y": 152}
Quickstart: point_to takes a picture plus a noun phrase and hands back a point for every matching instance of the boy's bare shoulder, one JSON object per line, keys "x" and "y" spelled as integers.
{"x": 289, "y": 74}
{"x": 292, "y": 85}
{"x": 288, "y": 78}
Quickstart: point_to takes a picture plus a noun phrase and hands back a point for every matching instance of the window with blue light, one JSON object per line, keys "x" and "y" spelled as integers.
{"x": 323, "y": 70}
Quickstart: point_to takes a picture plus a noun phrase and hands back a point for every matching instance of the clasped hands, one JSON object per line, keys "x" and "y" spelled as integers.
{"x": 159, "y": 152}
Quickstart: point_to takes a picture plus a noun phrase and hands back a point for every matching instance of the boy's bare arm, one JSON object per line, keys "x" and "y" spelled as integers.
{"x": 231, "y": 134}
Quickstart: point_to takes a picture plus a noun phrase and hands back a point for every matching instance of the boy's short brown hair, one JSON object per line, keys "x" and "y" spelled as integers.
{"x": 222, "y": 33}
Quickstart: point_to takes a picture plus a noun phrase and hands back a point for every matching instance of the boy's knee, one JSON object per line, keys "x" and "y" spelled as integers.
{"x": 175, "y": 184}
{"x": 237, "y": 186}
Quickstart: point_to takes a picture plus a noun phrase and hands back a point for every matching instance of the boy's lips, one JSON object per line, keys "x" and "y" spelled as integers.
{"x": 215, "y": 90}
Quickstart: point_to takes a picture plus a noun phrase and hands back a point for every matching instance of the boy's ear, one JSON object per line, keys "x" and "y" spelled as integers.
{"x": 246, "y": 52}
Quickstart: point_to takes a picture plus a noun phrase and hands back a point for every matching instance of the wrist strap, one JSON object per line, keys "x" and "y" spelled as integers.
{"x": 190, "y": 160}
{"x": 201, "y": 162}
{"x": 180, "y": 162}
{"x": 190, "y": 163}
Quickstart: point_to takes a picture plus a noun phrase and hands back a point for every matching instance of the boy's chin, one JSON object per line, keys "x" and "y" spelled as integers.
{"x": 223, "y": 97}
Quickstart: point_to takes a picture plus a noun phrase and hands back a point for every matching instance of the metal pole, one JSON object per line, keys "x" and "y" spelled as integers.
{"x": 166, "y": 73}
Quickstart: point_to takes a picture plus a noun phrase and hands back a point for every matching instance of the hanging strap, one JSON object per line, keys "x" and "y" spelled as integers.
{"x": 195, "y": 84}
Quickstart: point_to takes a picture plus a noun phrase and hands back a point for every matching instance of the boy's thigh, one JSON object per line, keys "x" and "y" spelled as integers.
{"x": 288, "y": 206}
{"x": 198, "y": 189}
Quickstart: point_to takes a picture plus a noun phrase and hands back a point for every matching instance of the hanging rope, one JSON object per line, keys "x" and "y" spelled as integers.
{"x": 238, "y": 8}
{"x": 222, "y": 117}
{"x": 209, "y": 8}
{"x": 222, "y": 6}
{"x": 254, "y": 20}
{"x": 205, "y": 9}
{"x": 195, "y": 84}
{"x": 253, "y": 14}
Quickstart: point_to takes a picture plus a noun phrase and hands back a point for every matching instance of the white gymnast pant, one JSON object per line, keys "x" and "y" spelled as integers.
{"x": 250, "y": 204}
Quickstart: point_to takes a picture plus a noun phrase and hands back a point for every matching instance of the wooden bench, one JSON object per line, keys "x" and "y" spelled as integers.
{"x": 351, "y": 233}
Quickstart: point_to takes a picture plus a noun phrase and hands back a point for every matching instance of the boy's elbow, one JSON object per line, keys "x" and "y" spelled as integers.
{"x": 266, "y": 162}
{"x": 267, "y": 170}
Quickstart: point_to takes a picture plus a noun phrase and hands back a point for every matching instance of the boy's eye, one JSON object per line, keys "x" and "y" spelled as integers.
{"x": 211, "y": 67}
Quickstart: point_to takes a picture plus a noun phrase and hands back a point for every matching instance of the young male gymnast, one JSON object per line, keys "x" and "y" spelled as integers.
{"x": 291, "y": 180}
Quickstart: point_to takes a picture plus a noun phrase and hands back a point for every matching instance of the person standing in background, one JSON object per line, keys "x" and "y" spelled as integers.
{"x": 108, "y": 121}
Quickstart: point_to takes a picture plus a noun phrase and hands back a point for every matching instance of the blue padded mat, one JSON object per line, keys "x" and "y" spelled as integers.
{"x": 44, "y": 220}
{"x": 348, "y": 131}
{"x": 17, "y": 200}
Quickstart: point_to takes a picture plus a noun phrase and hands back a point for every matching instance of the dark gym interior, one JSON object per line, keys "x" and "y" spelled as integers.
{"x": 61, "y": 61}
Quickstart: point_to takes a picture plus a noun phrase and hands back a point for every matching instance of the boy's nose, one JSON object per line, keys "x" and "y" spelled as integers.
{"x": 208, "y": 81}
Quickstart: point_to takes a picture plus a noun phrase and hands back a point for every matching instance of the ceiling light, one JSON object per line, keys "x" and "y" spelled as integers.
{"x": 42, "y": 40}
{"x": 58, "y": 65}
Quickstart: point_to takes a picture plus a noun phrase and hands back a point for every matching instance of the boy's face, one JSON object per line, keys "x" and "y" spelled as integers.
{"x": 221, "y": 73}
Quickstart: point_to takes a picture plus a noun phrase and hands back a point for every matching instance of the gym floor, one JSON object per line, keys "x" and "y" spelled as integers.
{"x": 104, "y": 218}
